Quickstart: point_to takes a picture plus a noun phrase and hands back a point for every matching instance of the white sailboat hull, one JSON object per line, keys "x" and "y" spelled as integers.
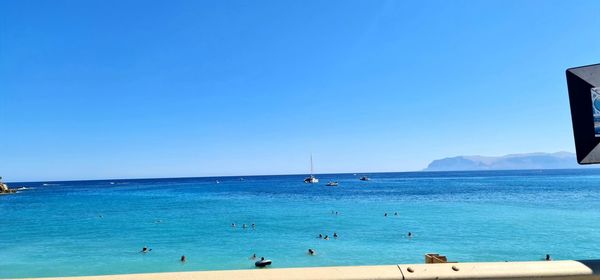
{"x": 311, "y": 180}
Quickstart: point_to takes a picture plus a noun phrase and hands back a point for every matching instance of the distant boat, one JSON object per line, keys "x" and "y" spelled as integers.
{"x": 311, "y": 179}
{"x": 332, "y": 184}
{"x": 364, "y": 178}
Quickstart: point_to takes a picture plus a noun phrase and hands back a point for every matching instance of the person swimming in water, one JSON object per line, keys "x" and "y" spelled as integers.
{"x": 335, "y": 235}
{"x": 548, "y": 257}
{"x": 232, "y": 224}
{"x": 320, "y": 236}
{"x": 183, "y": 259}
{"x": 396, "y": 214}
{"x": 253, "y": 226}
{"x": 253, "y": 257}
{"x": 311, "y": 252}
{"x": 145, "y": 250}
{"x": 244, "y": 226}
{"x": 326, "y": 237}
{"x": 409, "y": 234}
{"x": 385, "y": 215}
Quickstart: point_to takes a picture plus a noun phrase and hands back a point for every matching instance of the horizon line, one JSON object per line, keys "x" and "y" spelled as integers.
{"x": 292, "y": 174}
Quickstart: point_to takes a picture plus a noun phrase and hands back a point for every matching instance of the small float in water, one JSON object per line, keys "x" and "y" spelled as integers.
{"x": 332, "y": 184}
{"x": 364, "y": 178}
{"x": 262, "y": 262}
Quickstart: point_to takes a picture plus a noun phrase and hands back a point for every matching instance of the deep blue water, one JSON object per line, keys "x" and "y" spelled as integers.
{"x": 99, "y": 227}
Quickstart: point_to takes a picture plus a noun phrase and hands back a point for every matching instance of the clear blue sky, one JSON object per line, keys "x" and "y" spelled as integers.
{"x": 122, "y": 89}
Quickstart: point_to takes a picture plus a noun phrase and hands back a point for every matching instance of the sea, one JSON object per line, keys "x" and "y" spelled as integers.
{"x": 99, "y": 227}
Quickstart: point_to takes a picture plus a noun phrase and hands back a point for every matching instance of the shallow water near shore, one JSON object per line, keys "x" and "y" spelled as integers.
{"x": 99, "y": 227}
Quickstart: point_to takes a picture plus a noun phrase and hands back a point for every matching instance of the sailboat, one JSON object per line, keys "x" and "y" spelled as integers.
{"x": 311, "y": 179}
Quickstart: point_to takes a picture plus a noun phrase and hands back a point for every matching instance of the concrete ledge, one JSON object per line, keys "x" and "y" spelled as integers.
{"x": 384, "y": 272}
{"x": 500, "y": 270}
{"x": 490, "y": 270}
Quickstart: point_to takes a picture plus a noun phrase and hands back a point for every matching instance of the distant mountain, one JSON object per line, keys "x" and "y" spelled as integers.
{"x": 558, "y": 160}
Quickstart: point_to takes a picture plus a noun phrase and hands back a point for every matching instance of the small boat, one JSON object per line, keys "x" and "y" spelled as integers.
{"x": 311, "y": 179}
{"x": 262, "y": 263}
{"x": 364, "y": 178}
{"x": 332, "y": 184}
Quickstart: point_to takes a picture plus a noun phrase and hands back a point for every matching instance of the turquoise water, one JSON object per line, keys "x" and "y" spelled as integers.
{"x": 95, "y": 227}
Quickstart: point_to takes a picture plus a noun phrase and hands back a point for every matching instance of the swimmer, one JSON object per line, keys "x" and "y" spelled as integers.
{"x": 335, "y": 235}
{"x": 385, "y": 215}
{"x": 253, "y": 257}
{"x": 548, "y": 257}
{"x": 183, "y": 259}
{"x": 326, "y": 237}
{"x": 253, "y": 226}
{"x": 244, "y": 226}
{"x": 311, "y": 252}
{"x": 336, "y": 212}
{"x": 409, "y": 234}
{"x": 145, "y": 250}
{"x": 396, "y": 214}
{"x": 232, "y": 224}
{"x": 320, "y": 236}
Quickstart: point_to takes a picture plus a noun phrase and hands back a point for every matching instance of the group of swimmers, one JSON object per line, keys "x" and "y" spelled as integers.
{"x": 244, "y": 226}
{"x": 145, "y": 250}
{"x": 311, "y": 251}
{"x": 335, "y": 235}
{"x": 396, "y": 214}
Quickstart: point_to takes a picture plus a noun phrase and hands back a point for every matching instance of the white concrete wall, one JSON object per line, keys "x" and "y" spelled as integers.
{"x": 491, "y": 270}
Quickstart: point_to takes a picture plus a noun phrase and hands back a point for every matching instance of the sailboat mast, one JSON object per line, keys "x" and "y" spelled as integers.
{"x": 311, "y": 165}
